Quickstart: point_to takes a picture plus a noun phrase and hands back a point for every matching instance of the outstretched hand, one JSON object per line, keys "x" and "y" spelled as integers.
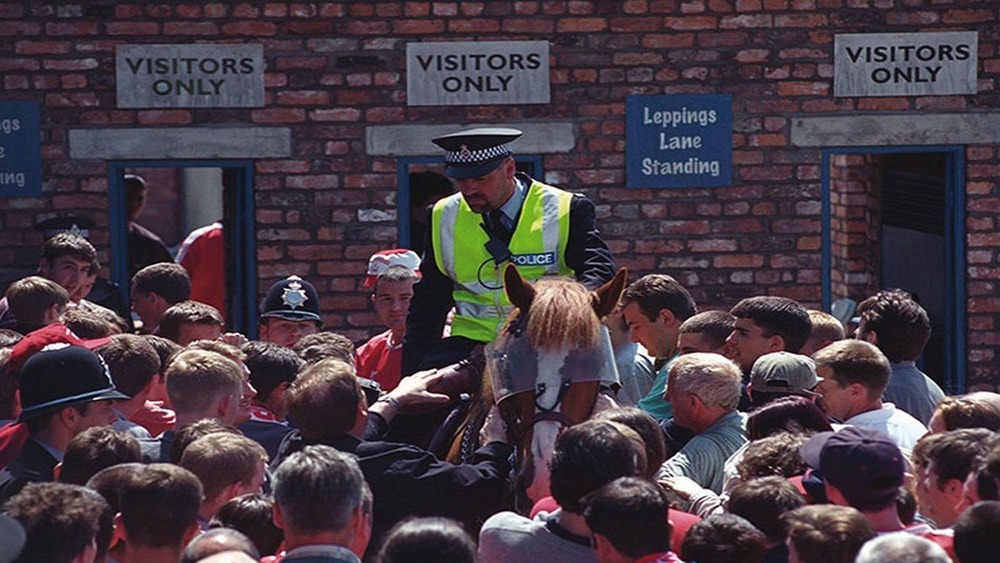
{"x": 416, "y": 390}
{"x": 494, "y": 429}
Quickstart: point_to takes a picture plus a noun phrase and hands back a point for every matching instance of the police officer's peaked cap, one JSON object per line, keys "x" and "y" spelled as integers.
{"x": 62, "y": 375}
{"x": 66, "y": 223}
{"x": 475, "y": 152}
{"x": 292, "y": 299}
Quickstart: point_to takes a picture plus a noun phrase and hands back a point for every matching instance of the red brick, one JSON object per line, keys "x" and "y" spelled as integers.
{"x": 216, "y": 10}
{"x": 190, "y": 28}
{"x": 250, "y": 28}
{"x": 73, "y": 81}
{"x": 42, "y": 47}
{"x": 952, "y": 17}
{"x": 304, "y": 98}
{"x": 738, "y": 261}
{"x": 667, "y": 41}
{"x": 132, "y": 28}
{"x": 83, "y": 99}
{"x": 69, "y": 64}
{"x": 164, "y": 117}
{"x": 107, "y": 118}
{"x": 746, "y": 21}
{"x": 15, "y": 82}
{"x": 293, "y": 63}
{"x": 518, "y": 25}
{"x": 482, "y": 25}
{"x": 19, "y": 28}
{"x": 278, "y": 115}
{"x": 712, "y": 245}
{"x": 335, "y": 114}
{"x": 692, "y": 23}
{"x": 801, "y": 20}
{"x": 74, "y": 28}
{"x": 803, "y": 88}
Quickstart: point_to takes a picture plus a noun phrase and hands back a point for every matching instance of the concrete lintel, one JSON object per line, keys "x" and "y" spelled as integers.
{"x": 180, "y": 142}
{"x": 900, "y": 129}
{"x": 415, "y": 140}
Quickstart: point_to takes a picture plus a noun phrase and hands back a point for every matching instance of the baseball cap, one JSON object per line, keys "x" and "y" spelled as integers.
{"x": 61, "y": 375}
{"x": 292, "y": 299}
{"x": 36, "y": 340}
{"x": 474, "y": 153}
{"x": 784, "y": 372}
{"x": 865, "y": 465}
{"x": 385, "y": 259}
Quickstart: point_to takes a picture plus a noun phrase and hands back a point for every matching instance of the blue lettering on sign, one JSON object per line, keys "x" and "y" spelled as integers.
{"x": 20, "y": 149}
{"x": 678, "y": 141}
{"x": 542, "y": 259}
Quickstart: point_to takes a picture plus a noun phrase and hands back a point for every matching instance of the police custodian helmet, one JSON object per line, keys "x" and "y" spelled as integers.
{"x": 292, "y": 299}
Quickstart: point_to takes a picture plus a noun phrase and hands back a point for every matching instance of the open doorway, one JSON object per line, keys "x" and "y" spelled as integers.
{"x": 197, "y": 213}
{"x": 892, "y": 218}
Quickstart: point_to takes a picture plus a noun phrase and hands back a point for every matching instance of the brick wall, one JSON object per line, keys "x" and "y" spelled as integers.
{"x": 334, "y": 68}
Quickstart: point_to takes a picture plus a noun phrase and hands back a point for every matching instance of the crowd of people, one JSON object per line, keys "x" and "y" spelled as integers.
{"x": 762, "y": 433}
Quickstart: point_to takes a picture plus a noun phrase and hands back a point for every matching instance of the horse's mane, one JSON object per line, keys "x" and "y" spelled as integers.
{"x": 562, "y": 314}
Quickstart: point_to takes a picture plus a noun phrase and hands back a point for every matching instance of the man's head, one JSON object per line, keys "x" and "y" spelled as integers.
{"x": 326, "y": 400}
{"x": 273, "y": 368}
{"x": 976, "y": 537}
{"x": 852, "y": 376}
{"x": 61, "y": 521}
{"x": 861, "y": 467}
{"x": 902, "y": 546}
{"x": 588, "y": 456}
{"x": 943, "y": 463}
{"x": 188, "y": 321}
{"x": 764, "y": 324}
{"x": 66, "y": 390}
{"x": 705, "y": 332}
{"x": 628, "y": 517}
{"x": 289, "y": 311}
{"x": 325, "y": 346}
{"x": 895, "y": 323}
{"x": 155, "y": 288}
{"x": 204, "y": 384}
{"x": 252, "y": 515}
{"x": 762, "y": 501}
{"x": 94, "y": 449}
{"x": 67, "y": 259}
{"x": 316, "y": 490}
{"x": 654, "y": 307}
{"x": 826, "y": 534}
{"x": 219, "y": 541}
{"x": 89, "y": 324}
{"x": 826, "y": 329}
{"x": 975, "y": 410}
{"x": 392, "y": 275}
{"x": 227, "y": 465}
{"x": 724, "y": 538}
{"x": 780, "y": 374}
{"x": 135, "y": 196}
{"x": 702, "y": 388}
{"x": 35, "y": 300}
{"x": 133, "y": 362}
{"x": 480, "y": 162}
{"x": 159, "y": 507}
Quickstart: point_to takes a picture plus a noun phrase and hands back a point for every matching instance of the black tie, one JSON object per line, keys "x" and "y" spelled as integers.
{"x": 498, "y": 224}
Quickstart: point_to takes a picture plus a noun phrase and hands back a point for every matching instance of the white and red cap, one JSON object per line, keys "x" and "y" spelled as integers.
{"x": 385, "y": 259}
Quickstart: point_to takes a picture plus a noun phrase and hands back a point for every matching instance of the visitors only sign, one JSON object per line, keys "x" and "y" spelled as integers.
{"x": 190, "y": 76}
{"x": 678, "y": 141}
{"x": 905, "y": 64}
{"x": 20, "y": 149}
{"x": 477, "y": 73}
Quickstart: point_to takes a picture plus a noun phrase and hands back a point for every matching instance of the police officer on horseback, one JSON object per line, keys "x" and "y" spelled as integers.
{"x": 498, "y": 216}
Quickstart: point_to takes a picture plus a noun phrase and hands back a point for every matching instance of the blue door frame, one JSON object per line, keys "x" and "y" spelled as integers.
{"x": 954, "y": 248}
{"x": 241, "y": 234}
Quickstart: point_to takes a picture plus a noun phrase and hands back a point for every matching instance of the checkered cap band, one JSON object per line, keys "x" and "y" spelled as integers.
{"x": 468, "y": 157}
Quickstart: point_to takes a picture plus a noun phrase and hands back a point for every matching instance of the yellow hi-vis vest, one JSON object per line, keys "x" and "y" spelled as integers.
{"x": 538, "y": 245}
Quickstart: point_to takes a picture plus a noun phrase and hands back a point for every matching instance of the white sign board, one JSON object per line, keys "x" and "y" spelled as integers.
{"x": 477, "y": 73}
{"x": 190, "y": 76}
{"x": 905, "y": 64}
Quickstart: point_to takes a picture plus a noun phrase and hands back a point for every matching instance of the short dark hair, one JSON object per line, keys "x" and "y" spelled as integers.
{"x": 166, "y": 279}
{"x": 88, "y": 324}
{"x": 423, "y": 540}
{"x": 714, "y": 325}
{"x": 270, "y": 365}
{"x": 159, "y": 505}
{"x": 60, "y": 520}
{"x": 318, "y": 489}
{"x": 968, "y": 411}
{"x": 724, "y": 538}
{"x": 955, "y": 452}
{"x": 976, "y": 538}
{"x": 187, "y": 312}
{"x": 632, "y": 514}
{"x": 762, "y": 501}
{"x": 655, "y": 292}
{"x": 68, "y": 244}
{"x": 132, "y": 361}
{"x": 324, "y": 345}
{"x": 647, "y": 428}
{"x": 222, "y": 459}
{"x": 192, "y": 431}
{"x": 856, "y": 361}
{"x": 165, "y": 349}
{"x": 94, "y": 449}
{"x": 780, "y": 316}
{"x": 827, "y": 533}
{"x": 251, "y": 515}
{"x": 323, "y": 400}
{"x": 791, "y": 413}
{"x": 777, "y": 454}
{"x": 586, "y": 457}
{"x": 31, "y": 297}
{"x": 902, "y": 325}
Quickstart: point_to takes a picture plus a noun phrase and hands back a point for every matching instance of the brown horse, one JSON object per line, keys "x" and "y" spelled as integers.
{"x": 544, "y": 372}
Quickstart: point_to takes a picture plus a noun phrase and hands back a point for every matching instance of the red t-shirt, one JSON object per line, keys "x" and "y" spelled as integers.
{"x": 203, "y": 256}
{"x": 378, "y": 360}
